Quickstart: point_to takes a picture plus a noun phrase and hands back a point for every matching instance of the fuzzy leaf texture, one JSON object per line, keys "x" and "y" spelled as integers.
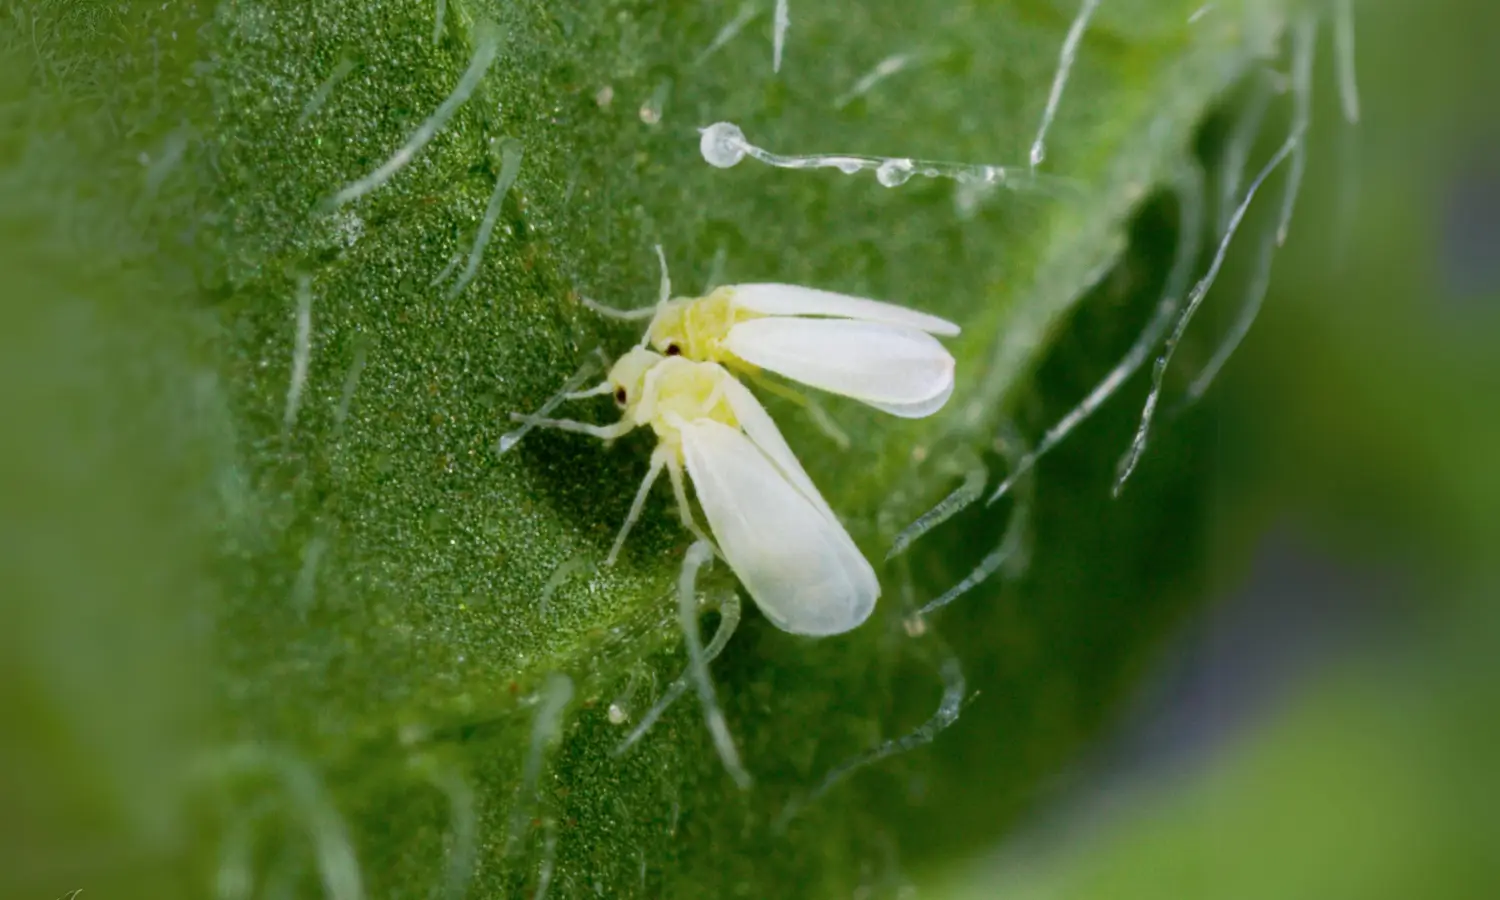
{"x": 285, "y": 624}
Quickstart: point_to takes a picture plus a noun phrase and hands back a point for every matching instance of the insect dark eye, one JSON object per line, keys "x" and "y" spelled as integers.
{"x": 673, "y": 350}
{"x": 620, "y": 396}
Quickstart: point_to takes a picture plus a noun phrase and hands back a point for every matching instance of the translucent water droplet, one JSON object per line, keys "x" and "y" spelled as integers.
{"x": 617, "y": 714}
{"x": 847, "y": 166}
{"x": 894, "y": 172}
{"x": 722, "y": 144}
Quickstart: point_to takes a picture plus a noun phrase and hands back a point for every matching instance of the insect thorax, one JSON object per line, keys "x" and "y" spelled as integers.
{"x": 697, "y": 327}
{"x": 681, "y": 389}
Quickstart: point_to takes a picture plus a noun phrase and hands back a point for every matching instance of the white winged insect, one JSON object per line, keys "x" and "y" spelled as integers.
{"x": 772, "y": 526}
{"x": 878, "y": 353}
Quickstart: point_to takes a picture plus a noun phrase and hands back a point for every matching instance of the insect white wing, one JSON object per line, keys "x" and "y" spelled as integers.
{"x": 794, "y": 300}
{"x": 916, "y": 410}
{"x": 799, "y": 566}
{"x": 898, "y": 369}
{"x": 762, "y": 431}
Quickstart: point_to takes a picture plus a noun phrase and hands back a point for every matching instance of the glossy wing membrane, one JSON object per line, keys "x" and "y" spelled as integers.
{"x": 918, "y": 409}
{"x": 762, "y": 431}
{"x": 793, "y": 300}
{"x": 797, "y": 563}
{"x": 897, "y": 369}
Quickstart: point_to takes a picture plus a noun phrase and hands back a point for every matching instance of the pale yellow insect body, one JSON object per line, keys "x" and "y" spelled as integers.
{"x": 878, "y": 353}
{"x": 769, "y": 521}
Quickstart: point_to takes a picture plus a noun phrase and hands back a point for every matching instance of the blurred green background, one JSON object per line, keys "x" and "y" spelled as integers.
{"x": 1328, "y": 726}
{"x": 1271, "y": 669}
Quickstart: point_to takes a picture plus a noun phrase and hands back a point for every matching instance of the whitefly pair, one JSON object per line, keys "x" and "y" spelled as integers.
{"x": 767, "y": 519}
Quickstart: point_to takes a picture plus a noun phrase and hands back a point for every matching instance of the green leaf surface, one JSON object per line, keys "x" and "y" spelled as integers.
{"x": 366, "y": 582}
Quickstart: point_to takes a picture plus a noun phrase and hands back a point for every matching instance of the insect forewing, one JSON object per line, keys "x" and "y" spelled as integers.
{"x": 901, "y": 370}
{"x": 794, "y": 300}
{"x": 762, "y": 431}
{"x": 918, "y": 409}
{"x": 798, "y": 563}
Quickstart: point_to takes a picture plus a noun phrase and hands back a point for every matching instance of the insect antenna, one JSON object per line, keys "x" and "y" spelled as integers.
{"x": 512, "y": 438}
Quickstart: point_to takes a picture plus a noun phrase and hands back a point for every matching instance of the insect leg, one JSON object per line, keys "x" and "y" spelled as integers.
{"x": 658, "y": 460}
{"x": 674, "y": 471}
